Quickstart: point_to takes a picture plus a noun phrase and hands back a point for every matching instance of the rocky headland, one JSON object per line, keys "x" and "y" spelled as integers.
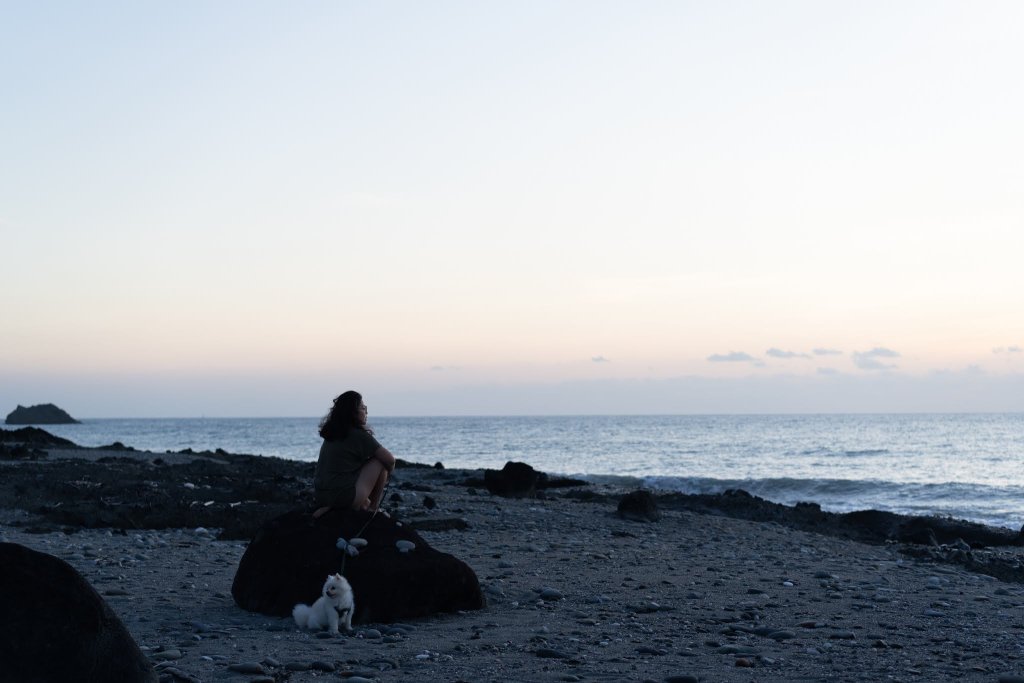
{"x": 43, "y": 414}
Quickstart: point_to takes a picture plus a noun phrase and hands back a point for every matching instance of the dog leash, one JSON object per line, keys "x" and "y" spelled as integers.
{"x": 383, "y": 494}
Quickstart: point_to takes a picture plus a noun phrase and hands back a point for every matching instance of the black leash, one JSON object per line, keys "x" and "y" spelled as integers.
{"x": 359, "y": 533}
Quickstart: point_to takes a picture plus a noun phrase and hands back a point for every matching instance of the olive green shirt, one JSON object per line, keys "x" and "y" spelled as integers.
{"x": 337, "y": 469}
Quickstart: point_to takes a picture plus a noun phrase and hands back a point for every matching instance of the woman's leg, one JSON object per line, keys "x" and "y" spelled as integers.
{"x": 370, "y": 486}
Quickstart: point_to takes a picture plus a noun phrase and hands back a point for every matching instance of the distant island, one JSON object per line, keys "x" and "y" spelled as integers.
{"x": 45, "y": 414}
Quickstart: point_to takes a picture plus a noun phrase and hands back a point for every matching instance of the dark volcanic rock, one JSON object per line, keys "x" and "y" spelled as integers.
{"x": 872, "y": 526}
{"x": 44, "y": 414}
{"x": 34, "y": 436}
{"x": 216, "y": 491}
{"x": 287, "y": 560}
{"x": 56, "y": 627}
{"x": 514, "y": 480}
{"x": 639, "y": 506}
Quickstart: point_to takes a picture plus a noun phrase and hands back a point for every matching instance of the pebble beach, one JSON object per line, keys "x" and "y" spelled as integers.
{"x": 574, "y": 593}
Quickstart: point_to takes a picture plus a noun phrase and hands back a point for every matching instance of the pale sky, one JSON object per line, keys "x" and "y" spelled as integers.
{"x": 245, "y": 208}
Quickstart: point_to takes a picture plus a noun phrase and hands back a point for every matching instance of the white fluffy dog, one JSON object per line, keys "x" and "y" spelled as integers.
{"x": 333, "y": 607}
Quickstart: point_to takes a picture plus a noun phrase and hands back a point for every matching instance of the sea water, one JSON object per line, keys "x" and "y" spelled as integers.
{"x": 969, "y": 466}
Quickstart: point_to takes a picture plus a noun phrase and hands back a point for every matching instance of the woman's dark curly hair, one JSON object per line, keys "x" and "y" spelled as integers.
{"x": 342, "y": 417}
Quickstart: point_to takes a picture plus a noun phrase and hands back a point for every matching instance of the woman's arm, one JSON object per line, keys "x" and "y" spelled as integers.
{"x": 385, "y": 457}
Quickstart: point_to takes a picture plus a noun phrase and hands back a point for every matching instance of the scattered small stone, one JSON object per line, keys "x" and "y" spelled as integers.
{"x": 320, "y": 665}
{"x": 404, "y": 546}
{"x": 370, "y": 634}
{"x": 550, "y": 653}
{"x": 180, "y": 675}
{"x": 843, "y": 635}
{"x": 781, "y": 635}
{"x": 247, "y": 668}
{"x": 551, "y": 594}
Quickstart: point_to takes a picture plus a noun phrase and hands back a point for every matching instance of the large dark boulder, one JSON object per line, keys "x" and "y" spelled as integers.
{"x": 639, "y": 506}
{"x": 55, "y": 627}
{"x": 290, "y": 556}
{"x": 44, "y": 414}
{"x": 514, "y": 480}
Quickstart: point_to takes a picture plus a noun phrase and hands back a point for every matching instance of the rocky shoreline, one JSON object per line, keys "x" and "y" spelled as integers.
{"x": 727, "y": 587}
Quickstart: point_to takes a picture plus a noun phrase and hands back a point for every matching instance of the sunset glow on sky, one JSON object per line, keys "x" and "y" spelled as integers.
{"x": 239, "y": 208}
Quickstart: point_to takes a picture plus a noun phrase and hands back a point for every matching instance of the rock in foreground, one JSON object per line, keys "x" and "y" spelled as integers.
{"x": 396, "y": 574}
{"x": 44, "y": 414}
{"x": 56, "y": 627}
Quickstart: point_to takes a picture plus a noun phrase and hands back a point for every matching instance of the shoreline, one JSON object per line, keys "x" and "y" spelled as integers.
{"x": 842, "y": 466}
{"x": 574, "y": 591}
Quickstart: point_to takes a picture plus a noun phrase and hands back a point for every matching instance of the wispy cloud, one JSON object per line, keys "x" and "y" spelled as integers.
{"x": 827, "y": 371}
{"x": 600, "y": 359}
{"x": 1008, "y": 349}
{"x": 869, "y": 360}
{"x": 779, "y": 353}
{"x": 731, "y": 357}
{"x": 827, "y": 352}
{"x": 444, "y": 368}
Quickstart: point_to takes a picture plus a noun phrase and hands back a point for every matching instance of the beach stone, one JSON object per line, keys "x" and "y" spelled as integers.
{"x": 288, "y": 558}
{"x": 843, "y": 635}
{"x": 55, "y": 626}
{"x": 514, "y": 480}
{"x": 551, "y": 594}
{"x": 682, "y": 679}
{"x": 639, "y": 506}
{"x": 247, "y": 668}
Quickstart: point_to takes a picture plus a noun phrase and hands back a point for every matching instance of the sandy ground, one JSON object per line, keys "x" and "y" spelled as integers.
{"x": 576, "y": 594}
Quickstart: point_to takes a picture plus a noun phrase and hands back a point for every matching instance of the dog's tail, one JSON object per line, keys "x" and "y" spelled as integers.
{"x": 301, "y": 615}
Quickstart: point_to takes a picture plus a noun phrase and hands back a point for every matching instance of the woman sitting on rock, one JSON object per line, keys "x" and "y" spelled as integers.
{"x": 353, "y": 468}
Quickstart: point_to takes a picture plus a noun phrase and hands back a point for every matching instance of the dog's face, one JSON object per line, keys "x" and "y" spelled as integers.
{"x": 335, "y": 586}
